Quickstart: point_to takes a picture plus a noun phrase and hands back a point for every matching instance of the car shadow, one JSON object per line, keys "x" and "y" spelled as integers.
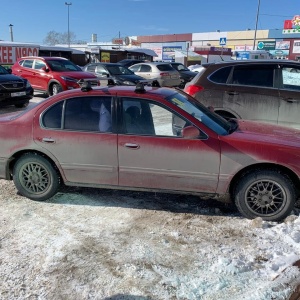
{"x": 177, "y": 203}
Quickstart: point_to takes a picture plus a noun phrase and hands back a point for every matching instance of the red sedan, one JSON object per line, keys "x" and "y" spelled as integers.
{"x": 150, "y": 138}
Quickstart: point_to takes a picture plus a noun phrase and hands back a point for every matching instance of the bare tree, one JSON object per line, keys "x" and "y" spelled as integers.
{"x": 54, "y": 38}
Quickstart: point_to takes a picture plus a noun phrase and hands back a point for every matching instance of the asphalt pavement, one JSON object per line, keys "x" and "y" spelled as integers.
{"x": 37, "y": 98}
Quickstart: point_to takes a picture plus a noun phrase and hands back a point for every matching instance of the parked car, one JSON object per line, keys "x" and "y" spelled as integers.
{"x": 164, "y": 73}
{"x": 260, "y": 90}
{"x": 129, "y": 62}
{"x": 14, "y": 90}
{"x": 185, "y": 74}
{"x": 118, "y": 73}
{"x": 254, "y": 165}
{"x": 51, "y": 75}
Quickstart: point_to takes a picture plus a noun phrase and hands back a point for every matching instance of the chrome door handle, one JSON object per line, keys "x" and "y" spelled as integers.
{"x": 289, "y": 100}
{"x": 132, "y": 146}
{"x": 48, "y": 140}
{"x": 232, "y": 93}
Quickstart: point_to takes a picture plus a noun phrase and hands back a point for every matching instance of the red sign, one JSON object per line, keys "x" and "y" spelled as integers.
{"x": 9, "y": 54}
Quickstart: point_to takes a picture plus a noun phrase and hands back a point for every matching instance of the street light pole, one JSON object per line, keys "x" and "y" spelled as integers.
{"x": 257, "y": 14}
{"x": 11, "y": 32}
{"x": 68, "y": 4}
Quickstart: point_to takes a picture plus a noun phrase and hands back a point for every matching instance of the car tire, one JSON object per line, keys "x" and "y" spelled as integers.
{"x": 55, "y": 88}
{"x": 35, "y": 177}
{"x": 265, "y": 193}
{"x": 20, "y": 105}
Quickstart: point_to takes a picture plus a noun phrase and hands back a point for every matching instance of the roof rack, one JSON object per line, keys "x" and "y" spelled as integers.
{"x": 86, "y": 83}
{"x": 140, "y": 87}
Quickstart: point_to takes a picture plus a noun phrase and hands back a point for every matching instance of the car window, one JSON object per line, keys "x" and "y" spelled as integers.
{"x": 221, "y": 75}
{"x": 91, "y": 68}
{"x": 253, "y": 75}
{"x": 142, "y": 117}
{"x": 291, "y": 78}
{"x": 27, "y": 63}
{"x": 39, "y": 65}
{"x": 100, "y": 70}
{"x": 118, "y": 70}
{"x": 62, "y": 65}
{"x": 88, "y": 114}
{"x": 52, "y": 117}
{"x": 3, "y": 70}
{"x": 145, "y": 68}
{"x": 165, "y": 67}
{"x": 80, "y": 114}
{"x": 135, "y": 68}
{"x": 179, "y": 67}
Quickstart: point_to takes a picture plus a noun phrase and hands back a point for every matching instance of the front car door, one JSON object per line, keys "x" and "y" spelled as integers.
{"x": 289, "y": 95}
{"x": 77, "y": 133}
{"x": 40, "y": 76}
{"x": 152, "y": 155}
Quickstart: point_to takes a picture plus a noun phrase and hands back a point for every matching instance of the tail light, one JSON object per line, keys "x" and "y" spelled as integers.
{"x": 193, "y": 89}
{"x": 164, "y": 74}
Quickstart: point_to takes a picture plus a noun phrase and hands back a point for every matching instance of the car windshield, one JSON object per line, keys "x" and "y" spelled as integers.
{"x": 118, "y": 70}
{"x": 203, "y": 114}
{"x": 3, "y": 71}
{"x": 62, "y": 65}
{"x": 179, "y": 67}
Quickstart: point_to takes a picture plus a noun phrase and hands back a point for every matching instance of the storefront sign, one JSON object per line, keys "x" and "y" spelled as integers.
{"x": 266, "y": 45}
{"x": 9, "y": 54}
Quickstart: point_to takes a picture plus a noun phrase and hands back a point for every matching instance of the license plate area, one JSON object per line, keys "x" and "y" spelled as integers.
{"x": 17, "y": 94}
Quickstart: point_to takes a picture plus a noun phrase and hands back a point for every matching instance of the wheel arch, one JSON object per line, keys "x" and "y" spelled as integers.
{"x": 18, "y": 154}
{"x": 265, "y": 166}
{"x": 50, "y": 84}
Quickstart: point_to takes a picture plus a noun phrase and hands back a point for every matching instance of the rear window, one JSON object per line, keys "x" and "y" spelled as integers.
{"x": 165, "y": 67}
{"x": 221, "y": 75}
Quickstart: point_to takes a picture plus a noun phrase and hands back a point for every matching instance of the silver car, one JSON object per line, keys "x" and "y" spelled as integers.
{"x": 164, "y": 73}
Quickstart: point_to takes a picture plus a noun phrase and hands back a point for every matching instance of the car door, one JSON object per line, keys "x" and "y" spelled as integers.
{"x": 151, "y": 155}
{"x": 70, "y": 133}
{"x": 143, "y": 70}
{"x": 289, "y": 95}
{"x": 26, "y": 71}
{"x": 40, "y": 76}
{"x": 251, "y": 92}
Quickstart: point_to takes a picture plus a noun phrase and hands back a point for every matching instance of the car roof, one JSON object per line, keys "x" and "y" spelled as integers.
{"x": 251, "y": 61}
{"x": 43, "y": 57}
{"x": 122, "y": 89}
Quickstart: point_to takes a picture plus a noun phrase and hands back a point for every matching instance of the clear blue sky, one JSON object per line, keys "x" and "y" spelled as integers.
{"x": 33, "y": 19}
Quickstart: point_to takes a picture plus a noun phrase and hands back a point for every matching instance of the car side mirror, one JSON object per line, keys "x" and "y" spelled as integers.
{"x": 190, "y": 132}
{"x": 9, "y": 70}
{"x": 45, "y": 69}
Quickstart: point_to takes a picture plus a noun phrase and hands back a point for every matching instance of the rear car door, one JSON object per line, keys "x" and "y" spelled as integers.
{"x": 25, "y": 70}
{"x": 70, "y": 132}
{"x": 252, "y": 93}
{"x": 152, "y": 155}
{"x": 143, "y": 70}
{"x": 289, "y": 93}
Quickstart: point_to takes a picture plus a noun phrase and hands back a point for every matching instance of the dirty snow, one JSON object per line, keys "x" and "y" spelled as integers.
{"x": 104, "y": 244}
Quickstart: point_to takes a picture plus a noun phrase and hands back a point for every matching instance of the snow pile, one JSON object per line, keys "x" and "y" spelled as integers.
{"x": 105, "y": 244}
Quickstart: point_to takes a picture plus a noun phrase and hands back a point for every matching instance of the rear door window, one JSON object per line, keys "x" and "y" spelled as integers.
{"x": 260, "y": 75}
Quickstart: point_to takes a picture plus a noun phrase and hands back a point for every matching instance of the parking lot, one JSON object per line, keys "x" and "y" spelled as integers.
{"x": 107, "y": 244}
